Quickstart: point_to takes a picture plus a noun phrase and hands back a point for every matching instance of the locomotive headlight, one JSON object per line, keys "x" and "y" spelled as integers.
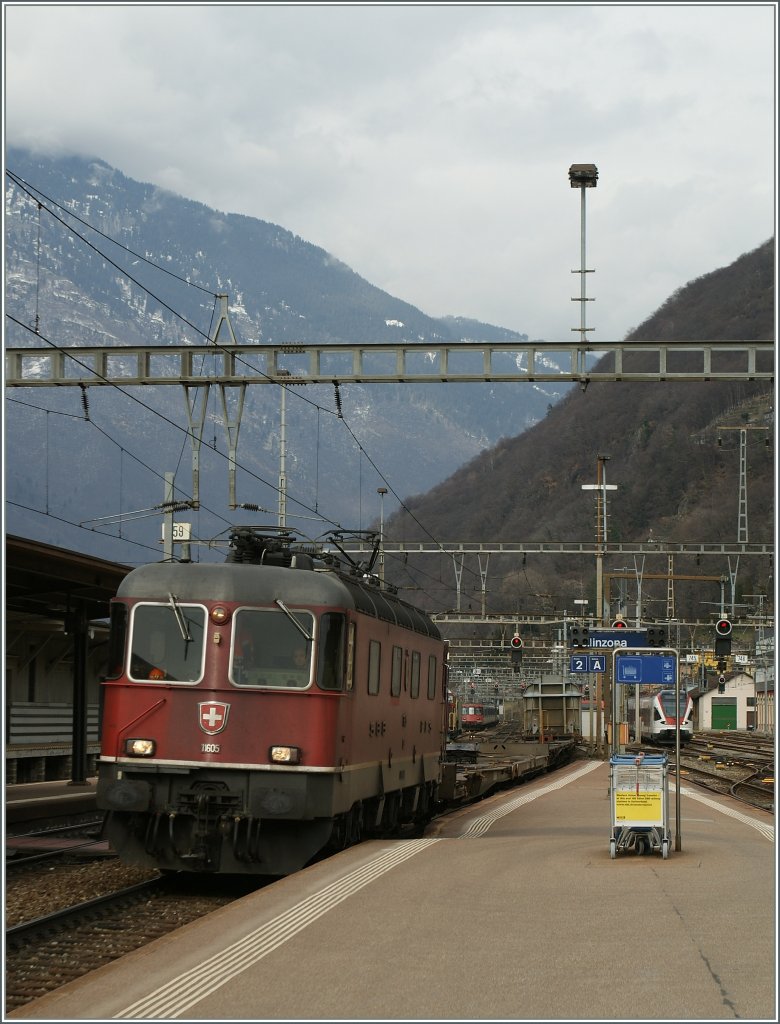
{"x": 219, "y": 614}
{"x": 140, "y": 748}
{"x": 285, "y": 755}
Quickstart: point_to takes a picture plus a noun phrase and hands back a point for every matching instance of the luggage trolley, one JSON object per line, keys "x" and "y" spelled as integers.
{"x": 639, "y": 799}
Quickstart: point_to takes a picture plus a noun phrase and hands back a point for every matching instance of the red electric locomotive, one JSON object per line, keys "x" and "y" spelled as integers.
{"x": 258, "y": 711}
{"x": 478, "y": 715}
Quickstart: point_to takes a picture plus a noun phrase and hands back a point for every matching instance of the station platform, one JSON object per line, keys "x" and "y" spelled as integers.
{"x": 29, "y": 801}
{"x": 511, "y": 909}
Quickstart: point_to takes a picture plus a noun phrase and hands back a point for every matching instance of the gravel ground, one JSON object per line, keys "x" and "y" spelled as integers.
{"x": 41, "y": 891}
{"x": 45, "y": 962}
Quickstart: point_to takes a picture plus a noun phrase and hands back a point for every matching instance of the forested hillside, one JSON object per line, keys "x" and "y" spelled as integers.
{"x": 675, "y": 480}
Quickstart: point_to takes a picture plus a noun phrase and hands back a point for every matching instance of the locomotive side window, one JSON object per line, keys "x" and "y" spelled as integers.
{"x": 374, "y": 660}
{"x": 415, "y": 685}
{"x": 330, "y": 652}
{"x": 166, "y": 642}
{"x": 270, "y": 650}
{"x": 117, "y": 640}
{"x": 432, "y": 677}
{"x": 351, "y": 656}
{"x": 395, "y": 678}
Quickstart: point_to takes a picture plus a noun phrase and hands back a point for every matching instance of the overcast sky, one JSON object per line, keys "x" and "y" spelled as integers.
{"x": 428, "y": 146}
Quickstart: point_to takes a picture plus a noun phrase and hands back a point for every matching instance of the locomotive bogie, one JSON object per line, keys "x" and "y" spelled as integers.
{"x": 203, "y": 820}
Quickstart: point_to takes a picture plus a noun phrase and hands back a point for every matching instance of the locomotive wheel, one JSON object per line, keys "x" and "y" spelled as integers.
{"x": 391, "y": 818}
{"x": 348, "y": 829}
{"x": 354, "y": 825}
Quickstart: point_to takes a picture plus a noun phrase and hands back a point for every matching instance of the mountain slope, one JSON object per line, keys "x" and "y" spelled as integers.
{"x": 674, "y": 481}
{"x": 74, "y": 286}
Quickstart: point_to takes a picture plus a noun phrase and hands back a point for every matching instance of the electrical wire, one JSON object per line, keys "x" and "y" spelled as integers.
{"x": 162, "y": 416}
{"x": 29, "y": 190}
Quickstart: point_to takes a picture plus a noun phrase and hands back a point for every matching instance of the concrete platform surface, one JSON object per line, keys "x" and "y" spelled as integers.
{"x": 512, "y": 909}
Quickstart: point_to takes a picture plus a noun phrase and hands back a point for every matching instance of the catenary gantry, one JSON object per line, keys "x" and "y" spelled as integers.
{"x": 423, "y": 362}
{"x": 453, "y": 548}
{"x": 232, "y": 367}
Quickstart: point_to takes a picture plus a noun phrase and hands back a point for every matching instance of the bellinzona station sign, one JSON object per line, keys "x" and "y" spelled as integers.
{"x": 614, "y": 639}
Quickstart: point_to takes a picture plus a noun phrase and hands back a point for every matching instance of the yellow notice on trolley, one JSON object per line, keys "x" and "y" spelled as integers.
{"x": 638, "y": 797}
{"x": 643, "y": 808}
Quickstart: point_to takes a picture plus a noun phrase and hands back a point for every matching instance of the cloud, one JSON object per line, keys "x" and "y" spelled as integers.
{"x": 428, "y": 147}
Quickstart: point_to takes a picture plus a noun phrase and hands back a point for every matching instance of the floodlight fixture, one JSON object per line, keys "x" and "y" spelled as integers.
{"x": 583, "y": 175}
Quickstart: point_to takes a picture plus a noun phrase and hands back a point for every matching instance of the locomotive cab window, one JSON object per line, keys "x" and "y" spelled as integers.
{"x": 269, "y": 650}
{"x": 330, "y": 663}
{"x": 166, "y": 642}
{"x": 117, "y": 640}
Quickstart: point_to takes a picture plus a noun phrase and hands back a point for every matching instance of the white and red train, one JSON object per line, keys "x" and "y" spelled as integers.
{"x": 262, "y": 710}
{"x": 657, "y": 718}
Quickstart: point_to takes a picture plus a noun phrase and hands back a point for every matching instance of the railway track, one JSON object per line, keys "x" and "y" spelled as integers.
{"x": 50, "y": 843}
{"x": 732, "y": 765}
{"x": 47, "y": 952}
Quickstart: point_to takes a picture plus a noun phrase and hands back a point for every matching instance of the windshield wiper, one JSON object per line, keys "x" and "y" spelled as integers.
{"x": 292, "y": 618}
{"x": 185, "y": 634}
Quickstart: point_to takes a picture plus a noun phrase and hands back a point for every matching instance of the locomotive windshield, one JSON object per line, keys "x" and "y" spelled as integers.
{"x": 271, "y": 650}
{"x": 166, "y": 642}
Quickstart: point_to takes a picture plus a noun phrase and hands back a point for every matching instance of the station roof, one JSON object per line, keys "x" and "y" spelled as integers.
{"x": 43, "y": 583}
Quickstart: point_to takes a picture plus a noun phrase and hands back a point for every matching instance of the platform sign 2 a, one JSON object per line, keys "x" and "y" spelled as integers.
{"x": 588, "y": 663}
{"x": 645, "y": 666}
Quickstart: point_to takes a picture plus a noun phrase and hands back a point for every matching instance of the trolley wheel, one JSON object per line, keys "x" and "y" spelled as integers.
{"x": 639, "y": 847}
{"x": 612, "y": 848}
{"x": 665, "y": 849}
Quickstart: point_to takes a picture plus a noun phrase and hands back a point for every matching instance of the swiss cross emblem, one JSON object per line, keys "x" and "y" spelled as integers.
{"x": 213, "y": 716}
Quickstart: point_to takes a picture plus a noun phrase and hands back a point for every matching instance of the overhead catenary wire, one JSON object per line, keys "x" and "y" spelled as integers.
{"x": 38, "y": 196}
{"x": 157, "y": 413}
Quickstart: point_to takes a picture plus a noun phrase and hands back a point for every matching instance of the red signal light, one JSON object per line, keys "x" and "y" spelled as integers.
{"x": 723, "y": 627}
{"x": 619, "y": 624}
{"x": 517, "y": 642}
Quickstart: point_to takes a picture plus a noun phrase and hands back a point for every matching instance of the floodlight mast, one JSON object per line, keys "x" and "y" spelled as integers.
{"x": 583, "y": 176}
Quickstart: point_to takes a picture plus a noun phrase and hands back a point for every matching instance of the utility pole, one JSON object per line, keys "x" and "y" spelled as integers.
{"x": 283, "y": 450}
{"x": 600, "y": 487}
{"x": 742, "y": 515}
{"x": 168, "y": 519}
{"x": 381, "y": 491}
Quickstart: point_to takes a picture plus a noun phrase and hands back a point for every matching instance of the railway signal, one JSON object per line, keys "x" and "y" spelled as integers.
{"x": 723, "y": 630}
{"x": 657, "y": 635}
{"x": 578, "y": 635}
{"x": 516, "y": 644}
{"x": 619, "y": 624}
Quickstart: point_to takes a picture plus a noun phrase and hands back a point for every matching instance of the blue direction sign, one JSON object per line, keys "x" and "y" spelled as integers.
{"x": 588, "y": 663}
{"x": 636, "y": 668}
